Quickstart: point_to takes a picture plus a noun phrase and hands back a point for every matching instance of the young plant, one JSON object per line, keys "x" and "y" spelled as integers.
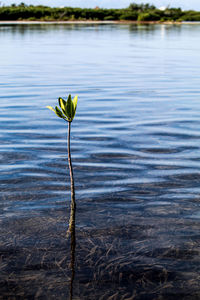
{"x": 67, "y": 112}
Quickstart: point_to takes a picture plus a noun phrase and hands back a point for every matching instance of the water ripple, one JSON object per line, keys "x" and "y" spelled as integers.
{"x": 136, "y": 157}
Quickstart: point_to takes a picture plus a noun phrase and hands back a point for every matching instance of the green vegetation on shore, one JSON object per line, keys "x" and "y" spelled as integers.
{"x": 135, "y": 12}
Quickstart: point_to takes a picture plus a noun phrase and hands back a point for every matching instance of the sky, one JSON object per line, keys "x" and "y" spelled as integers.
{"x": 184, "y": 4}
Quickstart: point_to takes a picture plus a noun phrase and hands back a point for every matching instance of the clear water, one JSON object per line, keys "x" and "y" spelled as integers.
{"x": 136, "y": 157}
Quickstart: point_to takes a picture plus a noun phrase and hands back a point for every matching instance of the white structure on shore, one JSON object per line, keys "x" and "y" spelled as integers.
{"x": 163, "y": 8}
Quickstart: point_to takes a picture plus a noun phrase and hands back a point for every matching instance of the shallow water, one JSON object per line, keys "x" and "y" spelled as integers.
{"x": 136, "y": 157}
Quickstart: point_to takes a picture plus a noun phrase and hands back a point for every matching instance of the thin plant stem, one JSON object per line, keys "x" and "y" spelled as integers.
{"x": 70, "y": 164}
{"x": 72, "y": 229}
{"x": 73, "y": 203}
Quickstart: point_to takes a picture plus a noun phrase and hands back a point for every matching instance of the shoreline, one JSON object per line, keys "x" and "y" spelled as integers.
{"x": 91, "y": 22}
{"x": 21, "y": 22}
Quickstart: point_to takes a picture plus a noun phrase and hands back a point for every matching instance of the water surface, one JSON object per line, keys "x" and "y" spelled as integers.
{"x": 136, "y": 157}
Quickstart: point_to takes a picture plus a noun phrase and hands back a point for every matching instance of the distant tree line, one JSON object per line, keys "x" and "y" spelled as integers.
{"x": 135, "y": 12}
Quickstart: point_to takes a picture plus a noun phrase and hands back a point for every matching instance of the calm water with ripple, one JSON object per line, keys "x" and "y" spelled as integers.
{"x": 136, "y": 157}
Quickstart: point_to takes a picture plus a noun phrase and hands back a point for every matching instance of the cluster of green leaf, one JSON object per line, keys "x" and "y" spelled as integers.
{"x": 68, "y": 108}
{"x": 135, "y": 12}
{"x": 191, "y": 15}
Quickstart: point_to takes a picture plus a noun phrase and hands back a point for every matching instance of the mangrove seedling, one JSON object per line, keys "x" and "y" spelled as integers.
{"x": 67, "y": 112}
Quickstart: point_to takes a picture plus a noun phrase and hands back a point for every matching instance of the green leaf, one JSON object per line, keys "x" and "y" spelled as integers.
{"x": 56, "y": 111}
{"x": 75, "y": 100}
{"x": 51, "y": 108}
{"x": 59, "y": 113}
{"x": 63, "y": 105}
{"x": 70, "y": 109}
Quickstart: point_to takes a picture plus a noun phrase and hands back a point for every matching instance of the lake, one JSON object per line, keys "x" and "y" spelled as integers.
{"x": 135, "y": 146}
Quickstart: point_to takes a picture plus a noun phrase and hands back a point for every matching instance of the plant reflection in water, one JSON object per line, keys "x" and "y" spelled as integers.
{"x": 72, "y": 233}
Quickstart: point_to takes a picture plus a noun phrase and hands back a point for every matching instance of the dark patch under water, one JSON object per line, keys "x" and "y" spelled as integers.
{"x": 136, "y": 158}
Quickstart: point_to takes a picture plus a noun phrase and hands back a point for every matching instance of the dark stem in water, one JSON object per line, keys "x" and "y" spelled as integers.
{"x": 71, "y": 229}
{"x": 73, "y": 203}
{"x": 71, "y": 170}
